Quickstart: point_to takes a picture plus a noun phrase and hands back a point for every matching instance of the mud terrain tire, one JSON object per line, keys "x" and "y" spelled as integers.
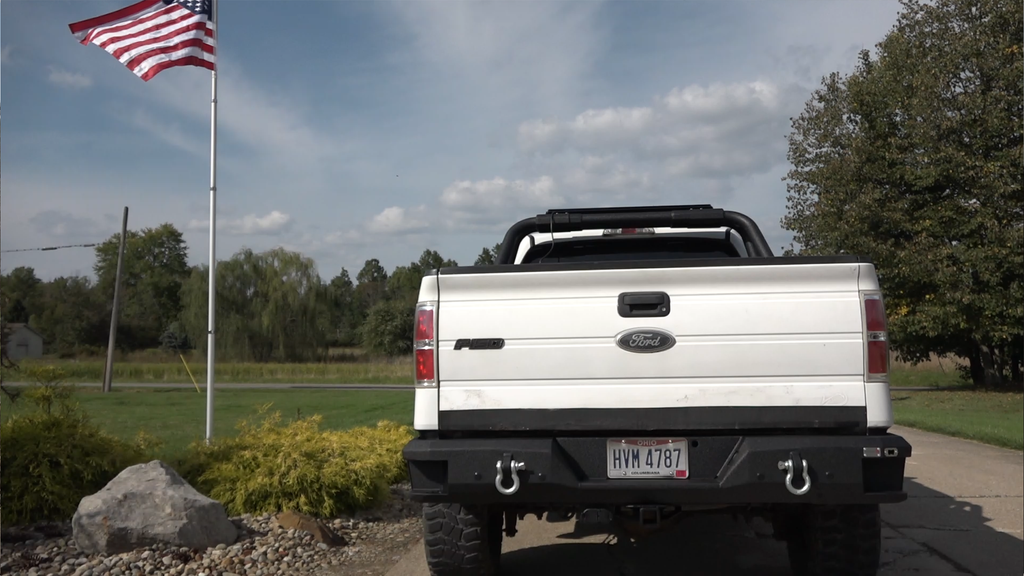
{"x": 461, "y": 540}
{"x": 835, "y": 541}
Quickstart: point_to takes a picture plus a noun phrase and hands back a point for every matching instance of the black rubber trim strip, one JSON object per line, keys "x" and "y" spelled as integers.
{"x": 655, "y": 419}
{"x": 650, "y": 264}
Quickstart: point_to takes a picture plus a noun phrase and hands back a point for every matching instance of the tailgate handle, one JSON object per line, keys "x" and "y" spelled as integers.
{"x": 644, "y": 304}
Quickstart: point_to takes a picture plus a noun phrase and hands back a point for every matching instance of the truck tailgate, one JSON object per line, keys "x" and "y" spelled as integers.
{"x": 755, "y": 345}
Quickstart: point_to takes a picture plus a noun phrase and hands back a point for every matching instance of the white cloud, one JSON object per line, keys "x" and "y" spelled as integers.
{"x": 390, "y": 223}
{"x": 5, "y": 54}
{"x": 343, "y": 237}
{"x": 270, "y": 224}
{"x": 397, "y": 220}
{"x": 485, "y": 202}
{"x": 65, "y": 79}
{"x": 594, "y": 180}
{"x": 721, "y": 102}
{"x": 690, "y": 145}
{"x": 703, "y": 131}
{"x": 598, "y": 179}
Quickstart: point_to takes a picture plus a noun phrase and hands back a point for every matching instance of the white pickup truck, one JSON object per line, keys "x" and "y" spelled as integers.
{"x": 631, "y": 366}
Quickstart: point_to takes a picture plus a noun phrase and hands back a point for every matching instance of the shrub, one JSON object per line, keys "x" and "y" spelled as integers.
{"x": 270, "y": 467}
{"x": 388, "y": 329}
{"x": 54, "y": 456}
{"x": 50, "y": 390}
{"x": 174, "y": 339}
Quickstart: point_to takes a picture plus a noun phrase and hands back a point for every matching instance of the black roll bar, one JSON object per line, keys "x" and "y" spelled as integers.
{"x": 693, "y": 216}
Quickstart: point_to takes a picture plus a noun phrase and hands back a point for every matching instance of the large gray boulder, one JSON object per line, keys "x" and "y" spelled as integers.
{"x": 148, "y": 504}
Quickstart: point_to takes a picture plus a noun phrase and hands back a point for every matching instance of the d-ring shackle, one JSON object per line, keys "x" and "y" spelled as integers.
{"x": 500, "y": 478}
{"x": 788, "y": 467}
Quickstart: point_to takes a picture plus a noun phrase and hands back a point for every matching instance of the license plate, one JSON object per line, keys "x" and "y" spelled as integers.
{"x": 647, "y": 458}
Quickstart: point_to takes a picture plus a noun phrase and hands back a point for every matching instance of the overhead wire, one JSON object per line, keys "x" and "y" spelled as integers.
{"x": 51, "y": 248}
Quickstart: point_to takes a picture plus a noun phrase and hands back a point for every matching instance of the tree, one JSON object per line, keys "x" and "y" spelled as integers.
{"x": 72, "y": 316}
{"x": 154, "y": 269}
{"x": 6, "y": 364}
{"x": 404, "y": 283}
{"x": 915, "y": 160}
{"x": 22, "y": 289}
{"x": 388, "y": 329}
{"x": 371, "y": 286}
{"x": 342, "y": 317}
{"x": 372, "y": 273}
{"x": 174, "y": 339}
{"x": 431, "y": 260}
{"x": 488, "y": 256}
{"x": 269, "y": 307}
{"x": 389, "y": 320}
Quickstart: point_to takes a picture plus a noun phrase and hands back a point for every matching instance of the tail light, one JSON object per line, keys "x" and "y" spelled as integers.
{"x": 876, "y": 338}
{"x": 424, "y": 345}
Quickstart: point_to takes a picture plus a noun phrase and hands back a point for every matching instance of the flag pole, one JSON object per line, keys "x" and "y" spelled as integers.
{"x": 213, "y": 232}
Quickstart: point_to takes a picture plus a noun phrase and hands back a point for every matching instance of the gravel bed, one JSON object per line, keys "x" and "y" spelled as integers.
{"x": 375, "y": 540}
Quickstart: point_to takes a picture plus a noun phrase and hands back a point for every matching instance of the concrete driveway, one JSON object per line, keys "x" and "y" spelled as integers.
{"x": 964, "y": 516}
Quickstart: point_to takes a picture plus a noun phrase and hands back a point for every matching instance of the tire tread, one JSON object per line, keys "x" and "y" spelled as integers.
{"x": 456, "y": 540}
{"x": 837, "y": 541}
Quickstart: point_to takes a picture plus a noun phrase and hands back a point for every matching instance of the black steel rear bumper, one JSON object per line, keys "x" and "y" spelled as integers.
{"x": 725, "y": 470}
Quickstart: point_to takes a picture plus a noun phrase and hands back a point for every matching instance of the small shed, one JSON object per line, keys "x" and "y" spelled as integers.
{"x": 24, "y": 342}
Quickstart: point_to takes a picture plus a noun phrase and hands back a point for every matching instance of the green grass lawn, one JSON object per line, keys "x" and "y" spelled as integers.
{"x": 91, "y": 371}
{"x": 907, "y": 377}
{"x": 179, "y": 416}
{"x": 398, "y": 371}
{"x": 991, "y": 417}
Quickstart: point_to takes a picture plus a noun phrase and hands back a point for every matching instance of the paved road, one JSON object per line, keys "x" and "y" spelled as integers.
{"x": 217, "y": 386}
{"x": 963, "y": 516}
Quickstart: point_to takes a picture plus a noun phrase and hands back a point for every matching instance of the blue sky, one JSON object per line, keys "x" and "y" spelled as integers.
{"x": 351, "y": 130}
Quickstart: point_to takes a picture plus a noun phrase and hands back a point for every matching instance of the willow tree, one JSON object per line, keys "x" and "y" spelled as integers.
{"x": 915, "y": 160}
{"x": 269, "y": 307}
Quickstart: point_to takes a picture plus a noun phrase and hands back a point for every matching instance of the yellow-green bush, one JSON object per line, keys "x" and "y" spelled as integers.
{"x": 53, "y": 456}
{"x": 271, "y": 467}
{"x": 50, "y": 461}
{"x": 50, "y": 391}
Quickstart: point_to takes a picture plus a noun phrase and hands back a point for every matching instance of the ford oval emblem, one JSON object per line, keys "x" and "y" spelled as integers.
{"x": 645, "y": 340}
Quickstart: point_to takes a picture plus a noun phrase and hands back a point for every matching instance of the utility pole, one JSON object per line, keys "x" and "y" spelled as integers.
{"x": 108, "y": 372}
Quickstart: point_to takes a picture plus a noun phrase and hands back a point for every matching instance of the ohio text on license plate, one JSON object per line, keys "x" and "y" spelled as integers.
{"x": 647, "y": 458}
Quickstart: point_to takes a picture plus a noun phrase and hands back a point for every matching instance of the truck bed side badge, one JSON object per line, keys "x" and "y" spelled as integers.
{"x": 645, "y": 340}
{"x": 480, "y": 343}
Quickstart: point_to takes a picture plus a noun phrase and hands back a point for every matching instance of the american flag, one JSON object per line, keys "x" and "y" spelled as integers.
{"x": 153, "y": 35}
